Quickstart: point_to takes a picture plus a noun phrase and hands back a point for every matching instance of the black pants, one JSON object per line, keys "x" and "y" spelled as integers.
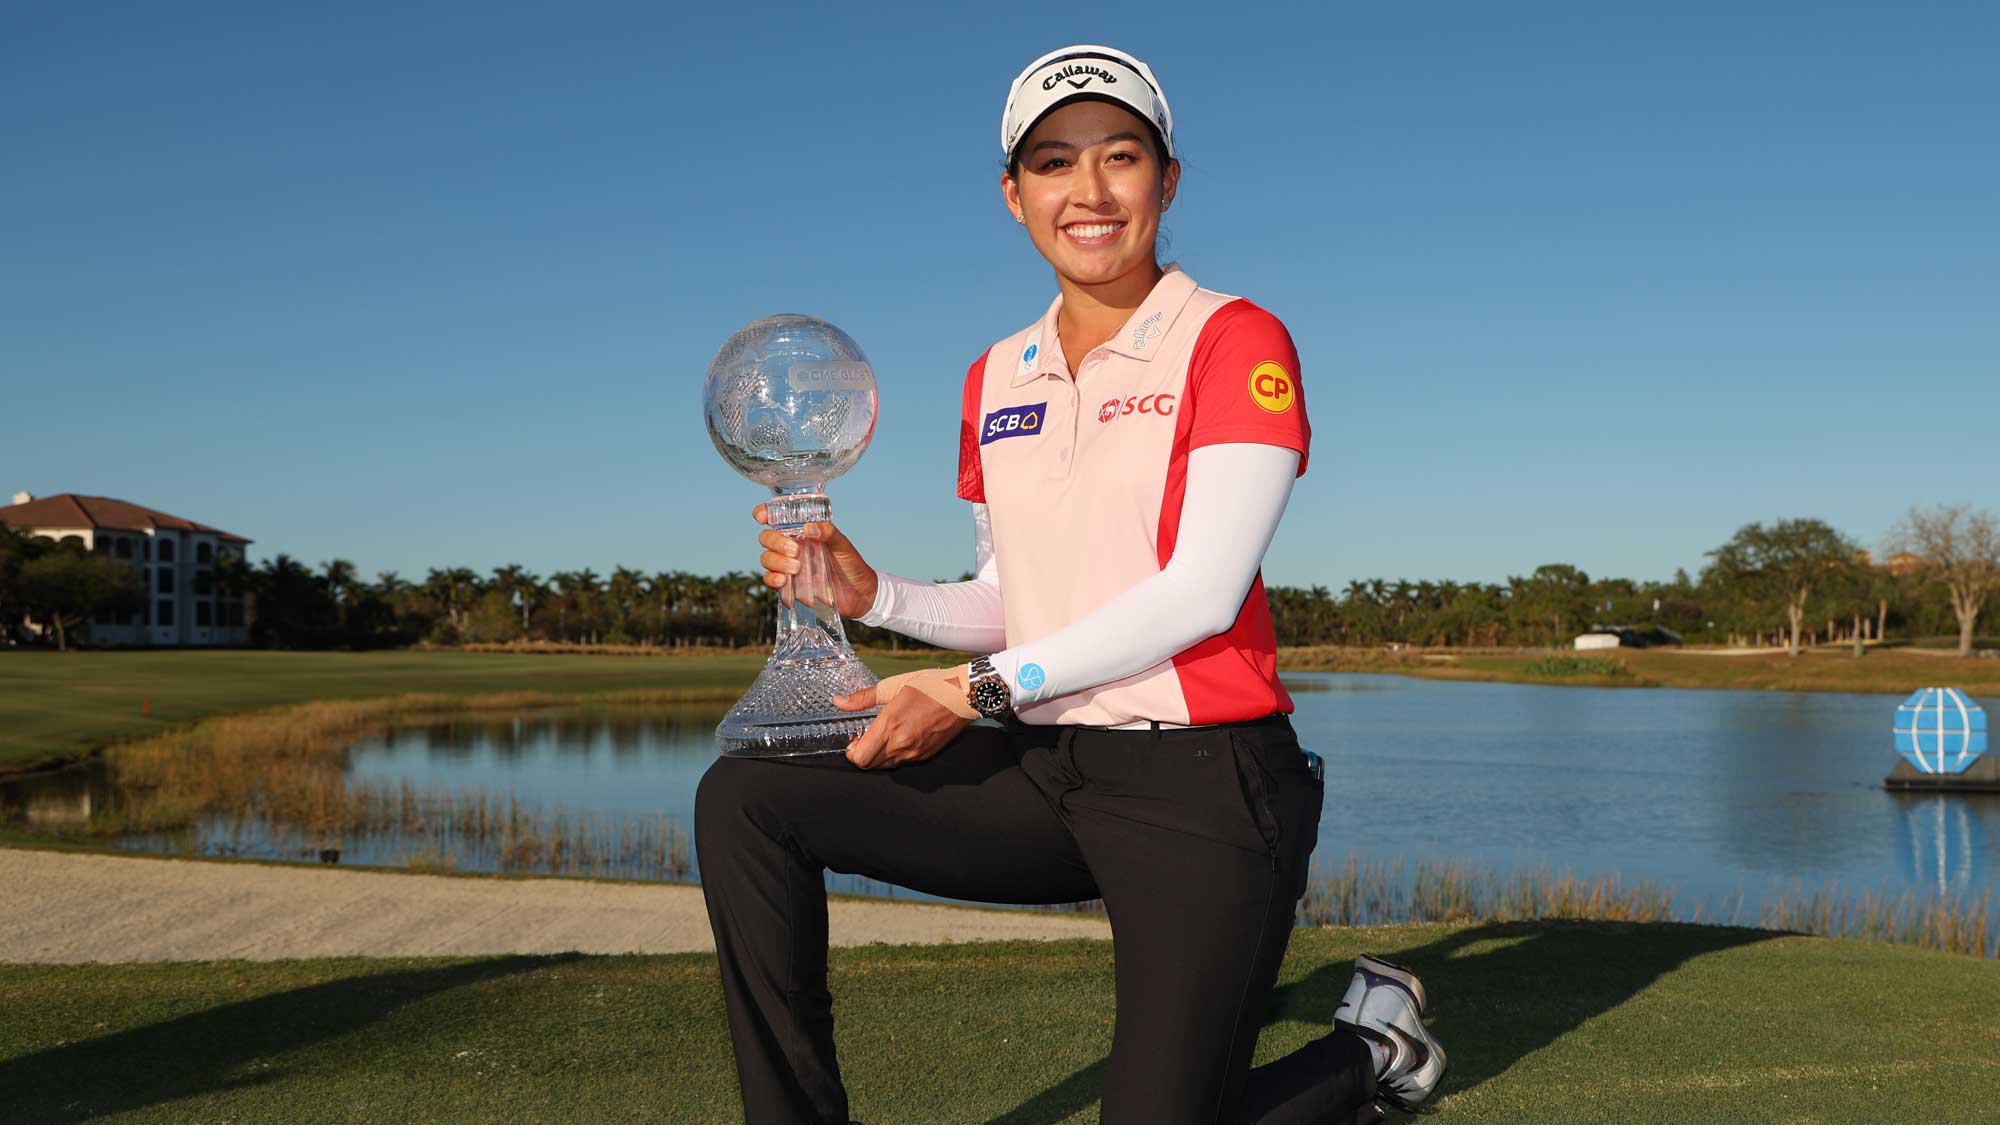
{"x": 1197, "y": 840}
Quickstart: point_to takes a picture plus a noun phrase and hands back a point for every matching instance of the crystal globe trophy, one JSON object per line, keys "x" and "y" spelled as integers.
{"x": 790, "y": 402}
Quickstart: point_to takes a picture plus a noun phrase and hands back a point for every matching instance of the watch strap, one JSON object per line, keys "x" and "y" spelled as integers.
{"x": 986, "y": 691}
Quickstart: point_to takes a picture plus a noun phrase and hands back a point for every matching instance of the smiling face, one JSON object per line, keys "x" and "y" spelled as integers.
{"x": 1090, "y": 187}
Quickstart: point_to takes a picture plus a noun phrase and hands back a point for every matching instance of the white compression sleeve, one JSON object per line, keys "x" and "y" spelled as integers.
{"x": 963, "y": 615}
{"x": 1236, "y": 493}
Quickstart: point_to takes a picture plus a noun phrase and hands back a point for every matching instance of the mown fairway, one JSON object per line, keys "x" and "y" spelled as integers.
{"x": 1563, "y": 1022}
{"x": 1882, "y": 670}
{"x": 56, "y": 704}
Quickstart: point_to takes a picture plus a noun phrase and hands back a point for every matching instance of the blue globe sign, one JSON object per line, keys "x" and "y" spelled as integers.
{"x": 1939, "y": 730}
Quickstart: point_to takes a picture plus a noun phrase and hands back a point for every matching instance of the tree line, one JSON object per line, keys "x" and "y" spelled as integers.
{"x": 1793, "y": 582}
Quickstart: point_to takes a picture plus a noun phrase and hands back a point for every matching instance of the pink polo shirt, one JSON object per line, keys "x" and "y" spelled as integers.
{"x": 1083, "y": 475}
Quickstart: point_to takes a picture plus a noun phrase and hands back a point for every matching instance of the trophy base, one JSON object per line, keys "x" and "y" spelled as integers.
{"x": 789, "y": 711}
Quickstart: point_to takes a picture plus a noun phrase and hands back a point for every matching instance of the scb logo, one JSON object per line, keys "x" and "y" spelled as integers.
{"x": 1271, "y": 387}
{"x": 1163, "y": 405}
{"x": 1012, "y": 421}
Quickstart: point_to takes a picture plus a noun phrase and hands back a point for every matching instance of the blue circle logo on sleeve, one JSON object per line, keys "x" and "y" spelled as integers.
{"x": 1031, "y": 676}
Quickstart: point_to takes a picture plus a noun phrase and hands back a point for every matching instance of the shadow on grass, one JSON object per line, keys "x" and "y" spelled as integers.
{"x": 1497, "y": 993}
{"x": 207, "y": 1052}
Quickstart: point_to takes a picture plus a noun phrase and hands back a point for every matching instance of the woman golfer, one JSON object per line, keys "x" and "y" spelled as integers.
{"x": 1128, "y": 456}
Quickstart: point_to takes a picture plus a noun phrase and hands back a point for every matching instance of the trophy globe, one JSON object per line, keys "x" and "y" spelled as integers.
{"x": 790, "y": 402}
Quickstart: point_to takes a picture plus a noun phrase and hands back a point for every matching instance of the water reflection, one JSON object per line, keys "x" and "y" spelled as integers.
{"x": 1716, "y": 794}
{"x": 1943, "y": 843}
{"x": 57, "y": 803}
{"x": 60, "y": 800}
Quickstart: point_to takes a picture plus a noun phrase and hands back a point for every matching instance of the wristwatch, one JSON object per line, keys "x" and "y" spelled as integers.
{"x": 987, "y": 692}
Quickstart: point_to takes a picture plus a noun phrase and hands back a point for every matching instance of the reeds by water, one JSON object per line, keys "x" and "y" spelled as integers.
{"x": 286, "y": 764}
{"x": 506, "y": 835}
{"x": 1366, "y": 892}
{"x": 1929, "y": 921}
{"x": 1369, "y": 892}
{"x": 282, "y": 770}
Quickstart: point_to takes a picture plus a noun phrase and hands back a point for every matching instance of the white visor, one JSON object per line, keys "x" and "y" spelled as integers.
{"x": 1083, "y": 71}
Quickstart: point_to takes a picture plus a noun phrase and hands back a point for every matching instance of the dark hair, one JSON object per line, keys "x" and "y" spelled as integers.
{"x": 1012, "y": 164}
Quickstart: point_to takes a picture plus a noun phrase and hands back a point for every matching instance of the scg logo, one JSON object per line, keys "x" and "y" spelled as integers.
{"x": 1163, "y": 405}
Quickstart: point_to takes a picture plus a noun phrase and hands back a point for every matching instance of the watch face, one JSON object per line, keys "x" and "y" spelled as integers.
{"x": 989, "y": 697}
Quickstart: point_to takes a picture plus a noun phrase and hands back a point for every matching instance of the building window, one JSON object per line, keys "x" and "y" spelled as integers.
{"x": 166, "y": 550}
{"x": 203, "y": 553}
{"x": 203, "y": 615}
{"x": 204, "y": 583}
{"x": 166, "y": 582}
{"x": 71, "y": 541}
{"x": 101, "y": 545}
{"x": 124, "y": 548}
{"x": 163, "y": 612}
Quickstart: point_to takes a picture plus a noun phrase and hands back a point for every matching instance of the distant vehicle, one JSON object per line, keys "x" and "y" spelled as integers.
{"x": 1620, "y": 636}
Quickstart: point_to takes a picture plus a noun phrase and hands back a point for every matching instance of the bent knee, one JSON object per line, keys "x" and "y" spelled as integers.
{"x": 725, "y": 791}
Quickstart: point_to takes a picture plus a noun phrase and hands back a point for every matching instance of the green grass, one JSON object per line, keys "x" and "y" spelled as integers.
{"x": 56, "y": 705}
{"x": 1573, "y": 667}
{"x": 1897, "y": 670}
{"x": 1569, "y": 1022}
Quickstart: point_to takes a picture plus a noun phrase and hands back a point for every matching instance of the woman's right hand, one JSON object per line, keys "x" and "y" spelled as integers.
{"x": 852, "y": 578}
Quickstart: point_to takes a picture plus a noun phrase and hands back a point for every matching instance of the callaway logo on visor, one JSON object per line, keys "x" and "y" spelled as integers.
{"x": 1083, "y": 71}
{"x": 1068, "y": 74}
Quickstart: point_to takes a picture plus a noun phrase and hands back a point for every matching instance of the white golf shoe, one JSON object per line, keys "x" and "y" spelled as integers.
{"x": 1385, "y": 1004}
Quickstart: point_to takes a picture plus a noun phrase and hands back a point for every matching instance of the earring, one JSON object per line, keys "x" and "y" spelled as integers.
{"x": 1019, "y": 219}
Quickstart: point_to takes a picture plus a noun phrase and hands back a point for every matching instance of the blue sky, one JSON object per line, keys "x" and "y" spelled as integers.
{"x": 435, "y": 284}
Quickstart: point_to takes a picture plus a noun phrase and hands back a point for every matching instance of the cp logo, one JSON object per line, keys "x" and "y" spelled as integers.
{"x": 1271, "y": 387}
{"x": 1108, "y": 411}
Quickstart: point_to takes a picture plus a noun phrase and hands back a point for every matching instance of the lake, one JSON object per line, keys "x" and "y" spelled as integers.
{"x": 1717, "y": 794}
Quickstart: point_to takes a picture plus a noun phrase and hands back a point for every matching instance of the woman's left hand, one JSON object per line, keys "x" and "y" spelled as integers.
{"x": 921, "y": 713}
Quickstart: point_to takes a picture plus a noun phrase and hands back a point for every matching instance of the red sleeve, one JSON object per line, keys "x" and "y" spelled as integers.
{"x": 971, "y": 478}
{"x": 1244, "y": 380}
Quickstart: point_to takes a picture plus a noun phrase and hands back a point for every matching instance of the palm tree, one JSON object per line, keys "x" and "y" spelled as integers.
{"x": 520, "y": 586}
{"x": 669, "y": 590}
{"x": 394, "y": 590}
{"x": 341, "y": 578}
{"x": 625, "y": 590}
{"x": 341, "y": 581}
{"x": 290, "y": 604}
{"x": 454, "y": 591}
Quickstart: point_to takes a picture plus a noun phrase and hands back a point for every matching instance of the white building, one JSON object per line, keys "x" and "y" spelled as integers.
{"x": 176, "y": 559}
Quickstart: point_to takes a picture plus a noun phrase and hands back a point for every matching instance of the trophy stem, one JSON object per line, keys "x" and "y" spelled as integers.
{"x": 789, "y": 710}
{"x": 809, "y": 624}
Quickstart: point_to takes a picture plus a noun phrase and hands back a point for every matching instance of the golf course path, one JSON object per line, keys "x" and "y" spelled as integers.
{"x": 64, "y": 907}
